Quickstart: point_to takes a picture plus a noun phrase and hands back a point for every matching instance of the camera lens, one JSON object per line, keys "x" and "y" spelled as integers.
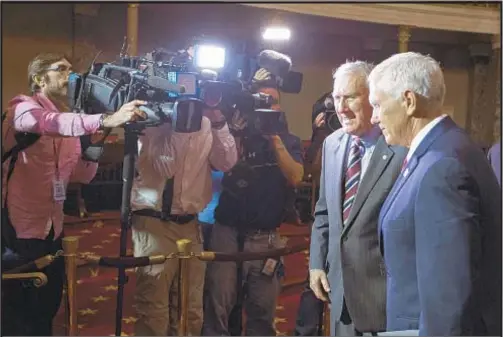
{"x": 331, "y": 121}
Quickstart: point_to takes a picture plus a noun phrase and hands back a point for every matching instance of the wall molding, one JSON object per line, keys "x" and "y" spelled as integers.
{"x": 86, "y": 9}
{"x": 471, "y": 19}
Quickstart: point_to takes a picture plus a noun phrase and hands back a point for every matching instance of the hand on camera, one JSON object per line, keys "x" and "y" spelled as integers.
{"x": 214, "y": 115}
{"x": 262, "y": 75}
{"x": 129, "y": 112}
{"x": 238, "y": 121}
{"x": 319, "y": 122}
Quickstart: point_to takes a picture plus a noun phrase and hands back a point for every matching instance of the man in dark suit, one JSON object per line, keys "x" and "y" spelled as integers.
{"x": 440, "y": 226}
{"x": 358, "y": 170}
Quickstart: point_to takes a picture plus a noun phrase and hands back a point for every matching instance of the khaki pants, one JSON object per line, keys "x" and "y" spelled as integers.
{"x": 156, "y": 295}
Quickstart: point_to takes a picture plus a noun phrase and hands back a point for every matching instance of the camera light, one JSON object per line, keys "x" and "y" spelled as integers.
{"x": 276, "y": 33}
{"x": 210, "y": 57}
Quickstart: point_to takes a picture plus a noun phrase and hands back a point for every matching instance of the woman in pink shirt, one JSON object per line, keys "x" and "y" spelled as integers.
{"x": 34, "y": 192}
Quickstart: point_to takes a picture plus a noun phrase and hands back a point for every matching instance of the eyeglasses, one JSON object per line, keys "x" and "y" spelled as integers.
{"x": 60, "y": 68}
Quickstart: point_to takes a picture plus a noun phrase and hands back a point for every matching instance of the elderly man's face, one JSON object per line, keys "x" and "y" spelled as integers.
{"x": 352, "y": 105}
{"x": 390, "y": 115}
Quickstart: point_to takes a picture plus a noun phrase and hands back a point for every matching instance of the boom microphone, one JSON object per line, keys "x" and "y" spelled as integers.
{"x": 208, "y": 74}
{"x": 276, "y": 63}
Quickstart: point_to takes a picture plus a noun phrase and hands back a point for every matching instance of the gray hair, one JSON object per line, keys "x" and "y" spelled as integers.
{"x": 360, "y": 69}
{"x": 410, "y": 71}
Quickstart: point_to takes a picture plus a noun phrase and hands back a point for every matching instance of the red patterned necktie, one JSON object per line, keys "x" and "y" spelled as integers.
{"x": 404, "y": 164}
{"x": 352, "y": 180}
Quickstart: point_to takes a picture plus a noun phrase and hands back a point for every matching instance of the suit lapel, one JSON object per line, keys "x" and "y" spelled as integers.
{"x": 402, "y": 178}
{"x": 378, "y": 162}
{"x": 338, "y": 164}
{"x": 442, "y": 127}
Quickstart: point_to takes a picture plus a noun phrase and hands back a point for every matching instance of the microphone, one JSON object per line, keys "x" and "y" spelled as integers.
{"x": 276, "y": 63}
{"x": 163, "y": 84}
{"x": 208, "y": 74}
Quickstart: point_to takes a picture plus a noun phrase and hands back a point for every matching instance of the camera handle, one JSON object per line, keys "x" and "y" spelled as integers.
{"x": 131, "y": 133}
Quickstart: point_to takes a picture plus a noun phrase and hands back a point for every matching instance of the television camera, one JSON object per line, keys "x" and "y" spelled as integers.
{"x": 326, "y": 106}
{"x": 106, "y": 87}
{"x": 202, "y": 70}
{"x": 178, "y": 90}
{"x": 245, "y": 97}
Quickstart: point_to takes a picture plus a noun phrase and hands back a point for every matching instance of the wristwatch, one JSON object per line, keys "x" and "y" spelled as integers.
{"x": 103, "y": 116}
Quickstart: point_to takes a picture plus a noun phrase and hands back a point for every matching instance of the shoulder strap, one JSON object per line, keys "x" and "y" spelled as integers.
{"x": 8, "y": 232}
{"x": 23, "y": 141}
{"x": 167, "y": 196}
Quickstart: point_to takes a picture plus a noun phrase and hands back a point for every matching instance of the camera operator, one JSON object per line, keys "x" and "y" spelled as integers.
{"x": 172, "y": 186}
{"x": 323, "y": 110}
{"x": 35, "y": 180}
{"x": 251, "y": 208}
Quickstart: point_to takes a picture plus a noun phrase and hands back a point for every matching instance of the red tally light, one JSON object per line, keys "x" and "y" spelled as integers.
{"x": 212, "y": 96}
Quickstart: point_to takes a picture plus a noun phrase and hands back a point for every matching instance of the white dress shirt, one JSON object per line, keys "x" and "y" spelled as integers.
{"x": 164, "y": 153}
{"x": 422, "y": 134}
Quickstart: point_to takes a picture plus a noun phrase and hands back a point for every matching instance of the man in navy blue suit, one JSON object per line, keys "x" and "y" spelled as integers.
{"x": 440, "y": 226}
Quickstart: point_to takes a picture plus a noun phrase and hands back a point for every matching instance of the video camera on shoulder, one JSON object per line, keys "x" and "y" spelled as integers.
{"x": 229, "y": 82}
{"x": 107, "y": 86}
{"x": 246, "y": 98}
{"x": 178, "y": 88}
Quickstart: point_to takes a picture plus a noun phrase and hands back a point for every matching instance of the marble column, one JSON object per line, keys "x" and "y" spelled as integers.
{"x": 403, "y": 39}
{"x": 132, "y": 29}
{"x": 484, "y": 73}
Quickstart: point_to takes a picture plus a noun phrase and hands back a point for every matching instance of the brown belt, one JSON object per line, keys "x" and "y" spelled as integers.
{"x": 179, "y": 219}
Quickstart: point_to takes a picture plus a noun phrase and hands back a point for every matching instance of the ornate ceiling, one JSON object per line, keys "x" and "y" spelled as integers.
{"x": 482, "y": 18}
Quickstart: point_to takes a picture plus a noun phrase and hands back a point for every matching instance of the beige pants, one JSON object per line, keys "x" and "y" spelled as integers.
{"x": 156, "y": 295}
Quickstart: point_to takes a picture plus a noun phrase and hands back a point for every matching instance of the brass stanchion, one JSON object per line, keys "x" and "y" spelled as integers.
{"x": 70, "y": 246}
{"x": 184, "y": 247}
{"x": 39, "y": 279}
{"x": 403, "y": 39}
{"x": 326, "y": 319}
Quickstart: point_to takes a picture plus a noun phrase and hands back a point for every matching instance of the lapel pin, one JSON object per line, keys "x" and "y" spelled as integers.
{"x": 406, "y": 172}
{"x": 384, "y": 157}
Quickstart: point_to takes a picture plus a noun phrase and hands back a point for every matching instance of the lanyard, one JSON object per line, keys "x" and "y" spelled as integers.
{"x": 56, "y": 156}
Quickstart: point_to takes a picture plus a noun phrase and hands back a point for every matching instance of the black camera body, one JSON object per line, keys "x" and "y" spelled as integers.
{"x": 325, "y": 105}
{"x": 106, "y": 87}
{"x": 332, "y": 122}
{"x": 255, "y": 108}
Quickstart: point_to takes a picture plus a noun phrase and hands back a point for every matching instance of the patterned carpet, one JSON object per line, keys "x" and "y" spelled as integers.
{"x": 97, "y": 286}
